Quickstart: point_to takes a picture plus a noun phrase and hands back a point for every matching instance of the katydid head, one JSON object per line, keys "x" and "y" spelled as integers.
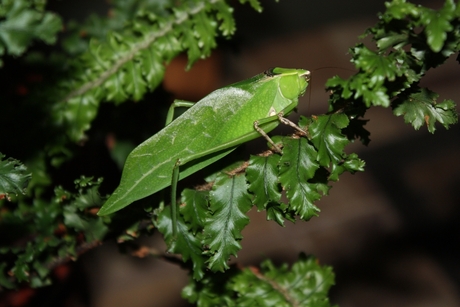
{"x": 292, "y": 82}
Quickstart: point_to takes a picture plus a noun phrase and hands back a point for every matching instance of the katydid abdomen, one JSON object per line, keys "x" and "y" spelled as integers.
{"x": 206, "y": 132}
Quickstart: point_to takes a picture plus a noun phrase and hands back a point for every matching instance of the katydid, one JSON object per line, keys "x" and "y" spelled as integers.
{"x": 206, "y": 132}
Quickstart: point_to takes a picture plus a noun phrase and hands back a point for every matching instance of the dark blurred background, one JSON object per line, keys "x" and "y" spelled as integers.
{"x": 391, "y": 233}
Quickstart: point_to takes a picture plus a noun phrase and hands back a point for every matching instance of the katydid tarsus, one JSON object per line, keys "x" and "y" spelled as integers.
{"x": 206, "y": 132}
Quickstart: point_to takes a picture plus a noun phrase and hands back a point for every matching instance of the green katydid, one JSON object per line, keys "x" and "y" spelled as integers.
{"x": 206, "y": 132}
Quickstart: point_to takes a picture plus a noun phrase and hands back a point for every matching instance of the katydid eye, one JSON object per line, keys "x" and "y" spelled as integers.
{"x": 269, "y": 72}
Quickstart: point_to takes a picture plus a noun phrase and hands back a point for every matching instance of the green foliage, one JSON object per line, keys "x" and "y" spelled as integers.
{"x": 421, "y": 108}
{"x": 130, "y": 62}
{"x": 21, "y": 22}
{"x": 122, "y": 57}
{"x": 186, "y": 243}
{"x": 229, "y": 202}
{"x": 390, "y": 75}
{"x": 14, "y": 176}
{"x": 58, "y": 230}
{"x": 306, "y": 283}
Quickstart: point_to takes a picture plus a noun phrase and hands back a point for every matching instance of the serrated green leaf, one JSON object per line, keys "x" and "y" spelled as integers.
{"x": 4, "y": 279}
{"x": 185, "y": 243}
{"x": 326, "y": 135}
{"x": 74, "y": 220}
{"x": 437, "y": 23}
{"x": 376, "y": 97}
{"x": 24, "y": 23}
{"x": 194, "y": 208}
{"x": 129, "y": 61}
{"x": 279, "y": 212}
{"x": 77, "y": 113}
{"x": 305, "y": 284}
{"x": 96, "y": 230}
{"x": 227, "y": 25}
{"x": 262, "y": 175}
{"x": 399, "y": 9}
{"x": 356, "y": 130}
{"x": 337, "y": 83}
{"x": 350, "y": 164}
{"x": 421, "y": 108}
{"x": 135, "y": 85}
{"x": 213, "y": 290}
{"x": 254, "y": 3}
{"x": 89, "y": 199}
{"x": 14, "y": 176}
{"x": 297, "y": 166}
{"x": 378, "y": 67}
{"x": 205, "y": 31}
{"x": 229, "y": 203}
{"x": 21, "y": 271}
{"x": 395, "y": 40}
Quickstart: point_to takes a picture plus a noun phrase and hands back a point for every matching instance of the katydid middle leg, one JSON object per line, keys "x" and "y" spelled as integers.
{"x": 174, "y": 105}
{"x": 175, "y": 172}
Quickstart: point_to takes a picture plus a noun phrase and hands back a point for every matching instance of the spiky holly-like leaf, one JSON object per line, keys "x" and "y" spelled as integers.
{"x": 326, "y": 135}
{"x": 194, "y": 208}
{"x": 262, "y": 175}
{"x": 229, "y": 203}
{"x": 184, "y": 243}
{"x": 297, "y": 167}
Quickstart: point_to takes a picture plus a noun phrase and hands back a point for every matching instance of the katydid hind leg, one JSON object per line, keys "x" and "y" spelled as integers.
{"x": 174, "y": 211}
{"x": 265, "y": 135}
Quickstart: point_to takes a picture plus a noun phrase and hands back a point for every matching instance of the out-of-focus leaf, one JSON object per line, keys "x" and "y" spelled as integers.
{"x": 305, "y": 283}
{"x": 22, "y": 23}
{"x": 14, "y": 176}
{"x": 438, "y": 24}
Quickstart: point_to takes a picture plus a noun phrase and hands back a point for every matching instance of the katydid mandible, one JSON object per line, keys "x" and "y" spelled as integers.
{"x": 206, "y": 132}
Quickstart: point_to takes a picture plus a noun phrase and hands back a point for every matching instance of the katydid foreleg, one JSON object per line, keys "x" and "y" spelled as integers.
{"x": 289, "y": 123}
